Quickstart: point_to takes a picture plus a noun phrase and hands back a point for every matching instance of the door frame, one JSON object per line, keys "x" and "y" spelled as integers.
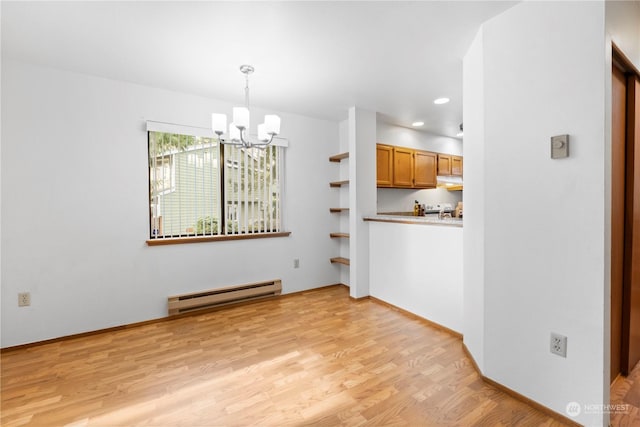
{"x": 631, "y": 73}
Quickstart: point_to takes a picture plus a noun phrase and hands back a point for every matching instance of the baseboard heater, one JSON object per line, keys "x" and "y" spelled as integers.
{"x": 223, "y": 296}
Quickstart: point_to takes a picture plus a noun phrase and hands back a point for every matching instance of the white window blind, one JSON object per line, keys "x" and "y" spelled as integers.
{"x": 184, "y": 185}
{"x": 192, "y": 194}
{"x": 252, "y": 189}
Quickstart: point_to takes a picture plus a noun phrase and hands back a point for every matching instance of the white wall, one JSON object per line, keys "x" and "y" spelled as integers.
{"x": 362, "y": 191}
{"x": 75, "y": 206}
{"x": 418, "y": 268}
{"x": 1, "y": 298}
{"x": 402, "y": 200}
{"x": 389, "y": 134}
{"x": 623, "y": 26}
{"x": 474, "y": 199}
{"x": 543, "y": 73}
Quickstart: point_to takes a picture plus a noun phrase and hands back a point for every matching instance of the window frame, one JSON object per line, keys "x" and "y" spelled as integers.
{"x": 222, "y": 209}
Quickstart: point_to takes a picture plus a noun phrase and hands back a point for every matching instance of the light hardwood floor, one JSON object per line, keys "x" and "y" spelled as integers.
{"x": 314, "y": 358}
{"x": 625, "y": 395}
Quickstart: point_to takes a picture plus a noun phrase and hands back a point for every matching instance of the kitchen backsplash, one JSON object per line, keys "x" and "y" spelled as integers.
{"x": 397, "y": 200}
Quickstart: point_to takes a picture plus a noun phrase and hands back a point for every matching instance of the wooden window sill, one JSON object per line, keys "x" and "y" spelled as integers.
{"x": 200, "y": 239}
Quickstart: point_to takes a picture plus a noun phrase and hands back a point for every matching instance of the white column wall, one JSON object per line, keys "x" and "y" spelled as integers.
{"x": 542, "y": 67}
{"x": 474, "y": 201}
{"x": 362, "y": 195}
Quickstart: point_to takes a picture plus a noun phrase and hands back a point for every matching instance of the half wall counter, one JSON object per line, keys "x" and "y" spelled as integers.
{"x": 415, "y": 263}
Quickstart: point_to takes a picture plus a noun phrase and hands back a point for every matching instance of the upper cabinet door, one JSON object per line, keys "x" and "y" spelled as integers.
{"x": 402, "y": 167}
{"x": 384, "y": 165}
{"x": 456, "y": 165}
{"x": 425, "y": 169}
{"x": 444, "y": 164}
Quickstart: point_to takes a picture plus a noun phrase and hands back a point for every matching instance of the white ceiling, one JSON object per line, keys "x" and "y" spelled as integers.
{"x": 311, "y": 58}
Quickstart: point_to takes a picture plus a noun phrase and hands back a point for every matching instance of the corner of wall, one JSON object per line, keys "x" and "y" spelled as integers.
{"x": 473, "y": 234}
{"x": 362, "y": 195}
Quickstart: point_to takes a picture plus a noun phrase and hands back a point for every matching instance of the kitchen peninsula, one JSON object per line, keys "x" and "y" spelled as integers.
{"x": 415, "y": 262}
{"x": 416, "y": 265}
{"x": 408, "y": 219}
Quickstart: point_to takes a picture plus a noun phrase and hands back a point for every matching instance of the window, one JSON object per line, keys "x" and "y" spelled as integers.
{"x": 191, "y": 195}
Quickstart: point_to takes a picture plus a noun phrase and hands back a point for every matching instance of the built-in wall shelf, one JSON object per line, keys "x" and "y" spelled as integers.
{"x": 342, "y": 235}
{"x": 339, "y": 157}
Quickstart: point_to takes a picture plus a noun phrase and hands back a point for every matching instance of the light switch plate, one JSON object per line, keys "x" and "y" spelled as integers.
{"x": 559, "y": 146}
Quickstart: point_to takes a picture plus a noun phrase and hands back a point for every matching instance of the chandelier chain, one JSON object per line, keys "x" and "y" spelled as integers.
{"x": 246, "y": 90}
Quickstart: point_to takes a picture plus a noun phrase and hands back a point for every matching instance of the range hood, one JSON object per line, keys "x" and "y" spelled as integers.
{"x": 451, "y": 183}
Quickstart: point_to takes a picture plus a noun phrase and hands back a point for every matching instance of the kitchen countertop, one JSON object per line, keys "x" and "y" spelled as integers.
{"x": 410, "y": 219}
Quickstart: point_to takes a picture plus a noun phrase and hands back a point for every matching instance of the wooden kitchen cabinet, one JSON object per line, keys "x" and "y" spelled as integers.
{"x": 425, "y": 164}
{"x": 449, "y": 165}
{"x": 444, "y": 164}
{"x": 384, "y": 165}
{"x": 403, "y": 165}
{"x": 456, "y": 165}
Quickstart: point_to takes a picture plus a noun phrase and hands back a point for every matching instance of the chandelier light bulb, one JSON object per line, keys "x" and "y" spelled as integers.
{"x": 219, "y": 123}
{"x": 272, "y": 124}
{"x": 263, "y": 136}
{"x": 234, "y": 132}
{"x": 241, "y": 117}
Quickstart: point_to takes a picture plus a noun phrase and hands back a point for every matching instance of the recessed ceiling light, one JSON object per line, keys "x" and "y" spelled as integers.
{"x": 441, "y": 101}
{"x": 417, "y": 124}
{"x": 459, "y": 134}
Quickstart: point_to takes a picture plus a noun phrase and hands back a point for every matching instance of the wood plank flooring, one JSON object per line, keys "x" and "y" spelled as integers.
{"x": 625, "y": 396}
{"x": 314, "y": 358}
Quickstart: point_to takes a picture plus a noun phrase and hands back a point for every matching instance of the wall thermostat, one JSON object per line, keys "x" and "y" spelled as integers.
{"x": 559, "y": 146}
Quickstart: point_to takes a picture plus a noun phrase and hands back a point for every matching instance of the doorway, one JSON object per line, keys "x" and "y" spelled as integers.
{"x": 625, "y": 216}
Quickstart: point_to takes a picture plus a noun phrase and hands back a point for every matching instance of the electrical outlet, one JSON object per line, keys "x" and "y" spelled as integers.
{"x": 296, "y": 263}
{"x": 558, "y": 344}
{"x": 24, "y": 299}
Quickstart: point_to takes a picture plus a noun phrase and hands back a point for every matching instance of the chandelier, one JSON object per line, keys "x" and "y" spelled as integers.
{"x": 238, "y": 129}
